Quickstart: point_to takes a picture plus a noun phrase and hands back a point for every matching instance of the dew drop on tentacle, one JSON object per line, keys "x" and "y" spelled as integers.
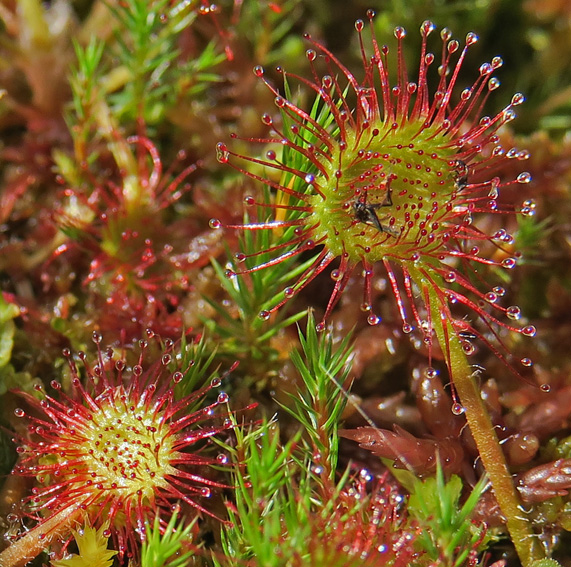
{"x": 453, "y": 46}
{"x": 289, "y": 292}
{"x": 427, "y": 28}
{"x": 526, "y": 362}
{"x": 498, "y": 151}
{"x": 471, "y": 38}
{"x": 373, "y": 319}
{"x": 528, "y": 208}
{"x": 222, "y": 153}
{"x": 466, "y": 94}
{"x": 513, "y": 312}
{"x": 457, "y": 408}
{"x": 214, "y": 223}
{"x": 509, "y": 263}
{"x": 336, "y": 275}
{"x": 508, "y": 114}
{"x": 529, "y": 331}
{"x": 430, "y": 372}
{"x": 468, "y": 347}
{"x": 264, "y": 315}
{"x": 326, "y": 81}
{"x": 518, "y": 98}
{"x": 445, "y": 34}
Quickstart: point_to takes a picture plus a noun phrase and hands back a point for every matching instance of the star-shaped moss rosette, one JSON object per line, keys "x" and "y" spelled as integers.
{"x": 383, "y": 172}
{"x": 117, "y": 452}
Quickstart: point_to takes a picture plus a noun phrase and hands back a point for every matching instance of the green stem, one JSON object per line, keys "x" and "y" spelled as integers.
{"x": 519, "y": 527}
{"x": 525, "y": 541}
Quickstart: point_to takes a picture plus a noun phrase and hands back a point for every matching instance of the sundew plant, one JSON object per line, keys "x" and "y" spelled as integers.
{"x": 283, "y": 290}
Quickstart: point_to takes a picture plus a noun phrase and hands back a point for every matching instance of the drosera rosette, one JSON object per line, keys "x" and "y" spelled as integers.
{"x": 140, "y": 255}
{"x": 120, "y": 449}
{"x": 394, "y": 178}
{"x": 364, "y": 523}
{"x": 384, "y": 172}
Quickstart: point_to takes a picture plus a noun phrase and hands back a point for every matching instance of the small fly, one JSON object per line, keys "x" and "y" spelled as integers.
{"x": 367, "y": 213}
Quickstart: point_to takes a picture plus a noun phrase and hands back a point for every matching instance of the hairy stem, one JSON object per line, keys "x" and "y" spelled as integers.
{"x": 36, "y": 540}
{"x": 525, "y": 541}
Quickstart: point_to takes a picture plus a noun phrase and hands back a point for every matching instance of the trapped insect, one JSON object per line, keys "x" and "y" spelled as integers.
{"x": 367, "y": 212}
